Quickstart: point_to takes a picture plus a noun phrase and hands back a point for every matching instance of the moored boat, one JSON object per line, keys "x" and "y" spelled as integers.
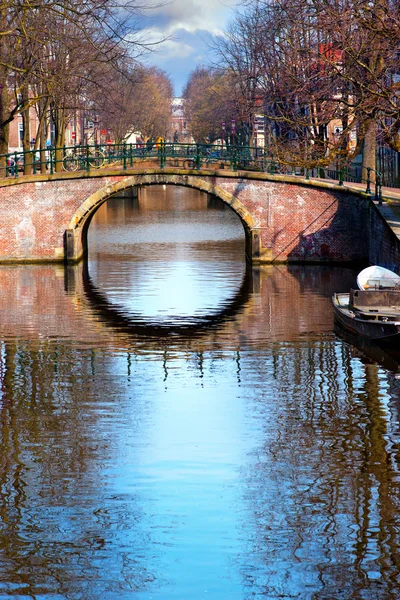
{"x": 377, "y": 278}
{"x": 374, "y": 314}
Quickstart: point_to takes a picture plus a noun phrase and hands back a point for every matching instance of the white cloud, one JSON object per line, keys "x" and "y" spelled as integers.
{"x": 193, "y": 15}
{"x": 169, "y": 49}
{"x": 186, "y": 26}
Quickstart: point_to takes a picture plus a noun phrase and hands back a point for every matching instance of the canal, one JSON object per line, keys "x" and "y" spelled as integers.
{"x": 175, "y": 425}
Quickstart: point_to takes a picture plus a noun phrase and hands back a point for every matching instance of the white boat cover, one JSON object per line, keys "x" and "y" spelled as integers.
{"x": 377, "y": 278}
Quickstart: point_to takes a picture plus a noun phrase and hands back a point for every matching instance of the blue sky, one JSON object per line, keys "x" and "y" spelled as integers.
{"x": 189, "y": 25}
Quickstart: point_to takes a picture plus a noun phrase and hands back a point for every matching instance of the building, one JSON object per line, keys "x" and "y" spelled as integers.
{"x": 179, "y": 129}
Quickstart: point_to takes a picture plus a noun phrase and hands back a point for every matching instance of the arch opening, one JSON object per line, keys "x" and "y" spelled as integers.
{"x": 76, "y": 235}
{"x": 172, "y": 258}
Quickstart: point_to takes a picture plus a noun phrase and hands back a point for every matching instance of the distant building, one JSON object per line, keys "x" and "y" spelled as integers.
{"x": 179, "y": 130}
{"x": 17, "y": 131}
{"x": 259, "y": 131}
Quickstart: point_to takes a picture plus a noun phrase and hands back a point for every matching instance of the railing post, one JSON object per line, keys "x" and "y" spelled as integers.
{"x": 87, "y": 159}
{"x": 234, "y": 158}
{"x": 159, "y": 154}
{"x": 378, "y": 189}
{"x": 197, "y": 159}
{"x": 33, "y": 159}
{"x": 51, "y": 161}
{"x": 15, "y": 164}
{"x": 368, "y": 190}
{"x": 124, "y": 155}
{"x": 340, "y": 173}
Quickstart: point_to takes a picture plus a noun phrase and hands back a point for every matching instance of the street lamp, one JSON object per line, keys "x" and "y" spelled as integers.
{"x": 233, "y": 130}
{"x": 223, "y": 134}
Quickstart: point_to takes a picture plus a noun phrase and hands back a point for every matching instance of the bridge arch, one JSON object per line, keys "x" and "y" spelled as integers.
{"x": 76, "y": 234}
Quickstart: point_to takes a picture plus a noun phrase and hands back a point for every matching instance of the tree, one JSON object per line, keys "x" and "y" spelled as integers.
{"x": 210, "y": 101}
{"x": 50, "y": 52}
{"x": 152, "y": 104}
{"x": 137, "y": 100}
{"x": 317, "y": 63}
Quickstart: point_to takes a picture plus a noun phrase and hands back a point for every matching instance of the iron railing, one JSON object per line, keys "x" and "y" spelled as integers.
{"x": 187, "y": 156}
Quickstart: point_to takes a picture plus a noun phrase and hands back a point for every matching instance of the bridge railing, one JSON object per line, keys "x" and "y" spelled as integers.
{"x": 187, "y": 156}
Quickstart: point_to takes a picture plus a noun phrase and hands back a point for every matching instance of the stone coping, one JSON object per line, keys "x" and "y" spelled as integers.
{"x": 226, "y": 173}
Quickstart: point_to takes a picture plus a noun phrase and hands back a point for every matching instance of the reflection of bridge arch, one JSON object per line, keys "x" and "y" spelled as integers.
{"x": 79, "y": 224}
{"x": 115, "y": 317}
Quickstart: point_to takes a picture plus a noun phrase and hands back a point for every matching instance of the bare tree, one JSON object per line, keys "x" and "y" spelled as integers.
{"x": 137, "y": 100}
{"x": 50, "y": 52}
{"x": 211, "y": 100}
{"x": 318, "y": 62}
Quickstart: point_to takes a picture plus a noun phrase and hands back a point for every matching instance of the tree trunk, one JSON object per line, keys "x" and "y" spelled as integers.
{"x": 42, "y": 145}
{"x": 42, "y": 108}
{"x": 5, "y": 128}
{"x": 59, "y": 140}
{"x": 28, "y": 158}
{"x": 369, "y": 153}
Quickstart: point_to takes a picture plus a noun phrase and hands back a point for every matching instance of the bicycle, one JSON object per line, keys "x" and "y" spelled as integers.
{"x": 79, "y": 161}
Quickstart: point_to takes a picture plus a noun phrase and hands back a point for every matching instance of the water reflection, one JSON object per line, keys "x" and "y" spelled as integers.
{"x": 386, "y": 354}
{"x": 178, "y": 325}
{"x": 168, "y": 260}
{"x": 257, "y": 459}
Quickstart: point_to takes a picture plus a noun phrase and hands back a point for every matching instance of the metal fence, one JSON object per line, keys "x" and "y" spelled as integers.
{"x": 186, "y": 156}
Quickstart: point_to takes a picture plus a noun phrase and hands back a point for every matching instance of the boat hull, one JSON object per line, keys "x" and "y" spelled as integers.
{"x": 377, "y": 278}
{"x": 350, "y": 320}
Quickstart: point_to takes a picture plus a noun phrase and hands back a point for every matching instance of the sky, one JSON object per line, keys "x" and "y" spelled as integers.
{"x": 189, "y": 26}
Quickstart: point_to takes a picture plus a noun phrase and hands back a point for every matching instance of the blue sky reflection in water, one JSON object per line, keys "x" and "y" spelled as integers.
{"x": 161, "y": 268}
{"x": 253, "y": 456}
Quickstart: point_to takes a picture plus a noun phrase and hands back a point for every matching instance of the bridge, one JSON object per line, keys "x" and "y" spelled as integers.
{"x": 286, "y": 218}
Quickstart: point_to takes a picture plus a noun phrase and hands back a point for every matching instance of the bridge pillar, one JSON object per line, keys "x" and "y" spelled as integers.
{"x": 254, "y": 245}
{"x": 74, "y": 250}
{"x": 255, "y": 252}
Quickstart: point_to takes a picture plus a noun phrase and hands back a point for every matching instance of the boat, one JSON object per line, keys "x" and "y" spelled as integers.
{"x": 373, "y": 310}
{"x": 377, "y": 278}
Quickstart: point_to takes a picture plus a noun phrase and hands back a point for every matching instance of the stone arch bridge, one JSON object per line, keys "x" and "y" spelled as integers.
{"x": 285, "y": 218}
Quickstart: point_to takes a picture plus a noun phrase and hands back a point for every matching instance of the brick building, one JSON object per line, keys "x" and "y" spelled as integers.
{"x": 179, "y": 129}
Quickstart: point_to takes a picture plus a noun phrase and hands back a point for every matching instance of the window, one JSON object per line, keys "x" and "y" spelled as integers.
{"x": 52, "y": 133}
{"x": 20, "y": 134}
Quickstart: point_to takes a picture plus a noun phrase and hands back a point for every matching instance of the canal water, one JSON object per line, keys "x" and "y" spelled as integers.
{"x": 175, "y": 425}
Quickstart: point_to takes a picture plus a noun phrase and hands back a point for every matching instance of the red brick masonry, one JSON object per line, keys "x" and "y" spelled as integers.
{"x": 296, "y": 220}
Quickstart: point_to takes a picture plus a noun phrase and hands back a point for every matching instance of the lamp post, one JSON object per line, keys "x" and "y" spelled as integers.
{"x": 223, "y": 134}
{"x": 255, "y": 128}
{"x": 337, "y": 135}
{"x": 233, "y": 131}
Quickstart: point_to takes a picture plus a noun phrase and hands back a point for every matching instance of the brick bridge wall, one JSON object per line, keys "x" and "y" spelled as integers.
{"x": 285, "y": 220}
